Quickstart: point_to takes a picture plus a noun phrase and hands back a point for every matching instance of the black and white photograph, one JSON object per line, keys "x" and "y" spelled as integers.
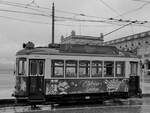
{"x": 74, "y": 56}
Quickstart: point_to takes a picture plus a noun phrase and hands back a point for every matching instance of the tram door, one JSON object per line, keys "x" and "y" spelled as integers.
{"x": 134, "y": 80}
{"x": 36, "y": 79}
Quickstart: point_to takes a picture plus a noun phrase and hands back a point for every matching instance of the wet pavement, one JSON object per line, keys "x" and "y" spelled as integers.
{"x": 135, "y": 105}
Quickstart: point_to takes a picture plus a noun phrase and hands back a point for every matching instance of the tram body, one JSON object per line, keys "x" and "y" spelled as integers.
{"x": 74, "y": 73}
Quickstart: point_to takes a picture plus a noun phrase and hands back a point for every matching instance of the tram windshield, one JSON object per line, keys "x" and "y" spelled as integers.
{"x": 36, "y": 67}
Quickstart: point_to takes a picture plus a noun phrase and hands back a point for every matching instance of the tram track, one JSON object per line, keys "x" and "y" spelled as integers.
{"x": 11, "y": 107}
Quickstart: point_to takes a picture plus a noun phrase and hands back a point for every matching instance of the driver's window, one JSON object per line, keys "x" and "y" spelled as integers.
{"x": 36, "y": 67}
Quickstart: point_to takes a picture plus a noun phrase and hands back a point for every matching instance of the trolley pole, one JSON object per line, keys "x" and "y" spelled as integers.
{"x": 53, "y": 23}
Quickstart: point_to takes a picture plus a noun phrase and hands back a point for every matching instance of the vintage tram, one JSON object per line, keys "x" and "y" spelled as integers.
{"x": 75, "y": 73}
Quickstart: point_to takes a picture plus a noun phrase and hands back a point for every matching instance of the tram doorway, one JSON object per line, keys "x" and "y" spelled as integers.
{"x": 36, "y": 80}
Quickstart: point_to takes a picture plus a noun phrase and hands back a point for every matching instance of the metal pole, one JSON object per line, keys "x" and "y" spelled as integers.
{"x": 53, "y": 28}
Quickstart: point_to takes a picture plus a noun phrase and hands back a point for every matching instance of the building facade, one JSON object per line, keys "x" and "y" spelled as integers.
{"x": 131, "y": 42}
{"x": 81, "y": 39}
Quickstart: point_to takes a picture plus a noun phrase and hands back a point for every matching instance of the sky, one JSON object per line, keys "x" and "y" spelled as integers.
{"x": 30, "y": 20}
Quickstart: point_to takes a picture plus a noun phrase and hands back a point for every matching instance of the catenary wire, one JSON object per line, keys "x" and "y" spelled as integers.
{"x": 112, "y": 9}
{"x": 23, "y": 12}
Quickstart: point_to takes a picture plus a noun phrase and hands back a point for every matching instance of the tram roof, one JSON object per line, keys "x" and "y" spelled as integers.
{"x": 76, "y": 50}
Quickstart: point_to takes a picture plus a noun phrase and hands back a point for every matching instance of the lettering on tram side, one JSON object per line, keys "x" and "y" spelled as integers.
{"x": 93, "y": 86}
{"x": 71, "y": 86}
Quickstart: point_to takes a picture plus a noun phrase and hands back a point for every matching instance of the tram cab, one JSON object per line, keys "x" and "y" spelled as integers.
{"x": 69, "y": 72}
{"x": 30, "y": 78}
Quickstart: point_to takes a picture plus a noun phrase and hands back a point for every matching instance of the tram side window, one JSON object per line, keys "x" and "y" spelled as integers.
{"x": 57, "y": 67}
{"x": 71, "y": 68}
{"x": 96, "y": 68}
{"x": 120, "y": 69}
{"x": 84, "y": 68}
{"x": 108, "y": 69}
{"x": 21, "y": 66}
{"x": 134, "y": 68}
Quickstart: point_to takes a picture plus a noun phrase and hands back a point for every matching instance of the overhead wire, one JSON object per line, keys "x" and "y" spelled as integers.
{"x": 72, "y": 13}
{"x": 23, "y": 20}
{"x": 117, "y": 29}
{"x": 68, "y": 18}
{"x": 73, "y": 19}
{"x": 79, "y": 14}
{"x": 133, "y": 10}
{"x": 36, "y": 8}
{"x": 24, "y": 12}
{"x": 142, "y": 1}
{"x": 29, "y": 6}
{"x": 112, "y": 9}
{"x": 25, "y": 6}
{"x": 40, "y": 22}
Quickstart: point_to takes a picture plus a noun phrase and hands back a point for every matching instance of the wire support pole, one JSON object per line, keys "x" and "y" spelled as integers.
{"x": 53, "y": 23}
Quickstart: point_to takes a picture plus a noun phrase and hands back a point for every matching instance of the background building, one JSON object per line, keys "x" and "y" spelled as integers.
{"x": 81, "y": 39}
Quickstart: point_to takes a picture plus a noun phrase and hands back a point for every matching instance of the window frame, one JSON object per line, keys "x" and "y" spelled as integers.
{"x": 122, "y": 69}
{"x": 53, "y": 67}
{"x": 106, "y": 69}
{"x": 23, "y": 66}
{"x": 135, "y": 68}
{"x": 97, "y": 67}
{"x": 85, "y": 67}
{"x": 37, "y": 73}
{"x": 72, "y": 66}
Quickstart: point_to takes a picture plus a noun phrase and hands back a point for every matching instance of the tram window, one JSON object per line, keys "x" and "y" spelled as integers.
{"x": 71, "y": 68}
{"x": 33, "y": 67}
{"x": 21, "y": 66}
{"x": 120, "y": 67}
{"x": 36, "y": 67}
{"x": 148, "y": 67}
{"x": 84, "y": 68}
{"x": 57, "y": 68}
{"x": 96, "y": 69}
{"x": 108, "y": 69}
{"x": 134, "y": 68}
{"x": 41, "y": 67}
